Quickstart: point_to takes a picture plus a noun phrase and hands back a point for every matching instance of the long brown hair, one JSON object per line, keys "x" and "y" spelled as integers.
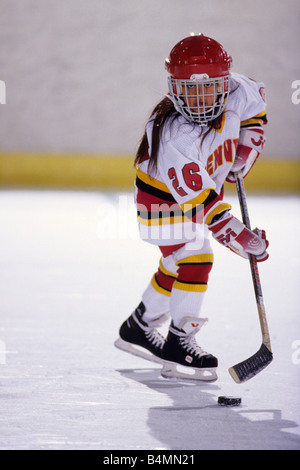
{"x": 161, "y": 113}
{"x": 164, "y": 109}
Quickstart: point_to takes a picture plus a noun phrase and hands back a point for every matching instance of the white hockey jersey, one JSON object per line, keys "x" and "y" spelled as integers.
{"x": 186, "y": 190}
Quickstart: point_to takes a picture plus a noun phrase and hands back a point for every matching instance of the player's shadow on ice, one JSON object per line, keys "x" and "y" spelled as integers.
{"x": 194, "y": 420}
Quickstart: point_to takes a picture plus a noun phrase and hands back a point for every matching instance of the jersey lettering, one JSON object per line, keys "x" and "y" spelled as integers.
{"x": 224, "y": 153}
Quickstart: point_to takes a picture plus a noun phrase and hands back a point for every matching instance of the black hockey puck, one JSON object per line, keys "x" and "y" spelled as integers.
{"x": 229, "y": 401}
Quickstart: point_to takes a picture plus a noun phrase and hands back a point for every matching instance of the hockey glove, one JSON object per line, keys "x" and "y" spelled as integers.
{"x": 250, "y": 145}
{"x": 233, "y": 234}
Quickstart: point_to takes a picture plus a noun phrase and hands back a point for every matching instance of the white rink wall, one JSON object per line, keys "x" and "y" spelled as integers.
{"x": 83, "y": 75}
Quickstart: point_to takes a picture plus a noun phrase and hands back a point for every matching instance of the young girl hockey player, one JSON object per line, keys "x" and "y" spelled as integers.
{"x": 206, "y": 129}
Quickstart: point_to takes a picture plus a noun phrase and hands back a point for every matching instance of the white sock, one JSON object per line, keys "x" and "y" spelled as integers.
{"x": 184, "y": 304}
{"x": 156, "y": 304}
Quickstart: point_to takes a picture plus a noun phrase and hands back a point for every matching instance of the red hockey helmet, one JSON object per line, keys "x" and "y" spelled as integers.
{"x": 196, "y": 55}
{"x": 201, "y": 63}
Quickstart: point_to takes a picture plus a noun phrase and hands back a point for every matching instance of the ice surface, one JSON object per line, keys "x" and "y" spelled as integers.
{"x": 67, "y": 281}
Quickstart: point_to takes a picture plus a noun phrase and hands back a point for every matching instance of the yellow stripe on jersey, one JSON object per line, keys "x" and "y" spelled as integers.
{"x": 200, "y": 199}
{"x": 259, "y": 119}
{"x": 222, "y": 206}
{"x": 152, "y": 181}
{"x": 207, "y": 198}
{"x": 196, "y": 208}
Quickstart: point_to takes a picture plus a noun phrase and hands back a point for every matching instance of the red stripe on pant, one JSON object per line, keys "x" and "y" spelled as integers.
{"x": 188, "y": 273}
{"x": 194, "y": 273}
{"x": 164, "y": 281}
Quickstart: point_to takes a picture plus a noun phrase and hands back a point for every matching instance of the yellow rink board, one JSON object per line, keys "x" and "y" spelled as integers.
{"x": 97, "y": 172}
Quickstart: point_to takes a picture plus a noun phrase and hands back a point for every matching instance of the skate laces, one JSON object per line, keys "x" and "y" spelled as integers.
{"x": 189, "y": 343}
{"x": 155, "y": 337}
{"x": 151, "y": 333}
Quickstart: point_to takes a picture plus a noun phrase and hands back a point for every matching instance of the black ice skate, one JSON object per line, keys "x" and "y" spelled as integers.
{"x": 140, "y": 338}
{"x": 182, "y": 356}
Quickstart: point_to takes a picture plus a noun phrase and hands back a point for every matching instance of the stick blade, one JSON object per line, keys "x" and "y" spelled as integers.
{"x": 250, "y": 367}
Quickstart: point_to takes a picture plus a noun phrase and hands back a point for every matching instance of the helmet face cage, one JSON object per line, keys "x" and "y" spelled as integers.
{"x": 199, "y": 99}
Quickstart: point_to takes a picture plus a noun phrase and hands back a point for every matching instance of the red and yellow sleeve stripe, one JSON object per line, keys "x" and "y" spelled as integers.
{"x": 258, "y": 120}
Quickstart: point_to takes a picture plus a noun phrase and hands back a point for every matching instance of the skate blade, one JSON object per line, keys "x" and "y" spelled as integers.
{"x": 137, "y": 351}
{"x": 171, "y": 370}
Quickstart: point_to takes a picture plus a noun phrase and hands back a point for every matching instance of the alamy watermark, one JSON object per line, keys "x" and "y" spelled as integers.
{"x": 296, "y": 353}
{"x": 2, "y": 92}
{"x": 296, "y": 93}
{"x": 2, "y": 352}
{"x": 160, "y": 224}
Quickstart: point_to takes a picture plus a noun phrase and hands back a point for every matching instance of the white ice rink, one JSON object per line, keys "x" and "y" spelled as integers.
{"x": 67, "y": 281}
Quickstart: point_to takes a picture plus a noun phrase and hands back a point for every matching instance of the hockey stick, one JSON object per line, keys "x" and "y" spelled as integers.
{"x": 250, "y": 367}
